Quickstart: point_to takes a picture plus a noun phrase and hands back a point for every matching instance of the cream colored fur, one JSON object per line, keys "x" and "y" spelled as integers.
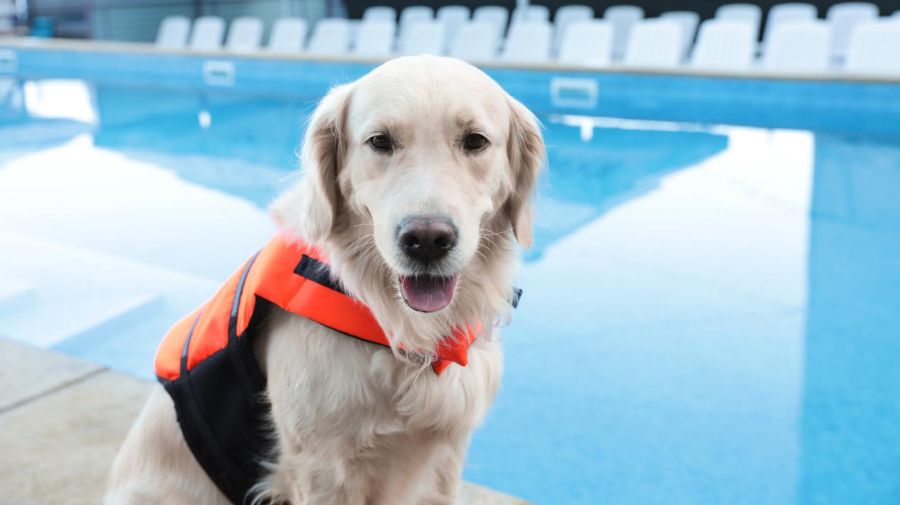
{"x": 356, "y": 423}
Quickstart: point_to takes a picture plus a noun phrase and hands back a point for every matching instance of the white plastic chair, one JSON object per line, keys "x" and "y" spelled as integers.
{"x": 786, "y": 13}
{"x": 424, "y": 37}
{"x": 725, "y": 45}
{"x": 531, "y": 13}
{"x": 528, "y": 42}
{"x": 410, "y": 15}
{"x": 564, "y": 18}
{"x": 742, "y": 12}
{"x": 494, "y": 14}
{"x": 375, "y": 38}
{"x": 798, "y": 47}
{"x": 843, "y": 18}
{"x": 288, "y": 36}
{"x": 452, "y": 17}
{"x": 476, "y": 41}
{"x": 245, "y": 34}
{"x": 173, "y": 32}
{"x": 353, "y": 29}
{"x": 380, "y": 13}
{"x": 688, "y": 22}
{"x": 654, "y": 43}
{"x": 587, "y": 43}
{"x": 207, "y": 34}
{"x": 622, "y": 18}
{"x": 873, "y": 48}
{"x": 793, "y": 11}
{"x": 330, "y": 37}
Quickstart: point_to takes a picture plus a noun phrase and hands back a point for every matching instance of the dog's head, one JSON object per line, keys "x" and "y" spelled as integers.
{"x": 417, "y": 168}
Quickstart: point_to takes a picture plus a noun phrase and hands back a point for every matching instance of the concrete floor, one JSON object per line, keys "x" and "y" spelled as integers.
{"x": 62, "y": 420}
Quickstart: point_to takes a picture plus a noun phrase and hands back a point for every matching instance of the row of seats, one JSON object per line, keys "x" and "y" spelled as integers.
{"x": 245, "y": 34}
{"x": 794, "y": 39}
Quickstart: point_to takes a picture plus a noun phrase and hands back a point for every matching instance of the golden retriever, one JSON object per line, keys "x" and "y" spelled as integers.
{"x": 418, "y": 181}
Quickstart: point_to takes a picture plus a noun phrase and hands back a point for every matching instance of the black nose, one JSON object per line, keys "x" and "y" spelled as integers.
{"x": 426, "y": 239}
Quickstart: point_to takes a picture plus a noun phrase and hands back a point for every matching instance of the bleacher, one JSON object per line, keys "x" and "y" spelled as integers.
{"x": 851, "y": 37}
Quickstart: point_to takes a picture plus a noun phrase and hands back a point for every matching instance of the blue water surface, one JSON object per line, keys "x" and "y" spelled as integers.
{"x": 711, "y": 313}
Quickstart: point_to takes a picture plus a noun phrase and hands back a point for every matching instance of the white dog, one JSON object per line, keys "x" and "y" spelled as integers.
{"x": 418, "y": 183}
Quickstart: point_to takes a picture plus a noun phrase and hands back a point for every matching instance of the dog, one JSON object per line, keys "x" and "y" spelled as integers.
{"x": 417, "y": 185}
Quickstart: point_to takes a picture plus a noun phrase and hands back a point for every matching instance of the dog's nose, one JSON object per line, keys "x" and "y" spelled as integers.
{"x": 426, "y": 239}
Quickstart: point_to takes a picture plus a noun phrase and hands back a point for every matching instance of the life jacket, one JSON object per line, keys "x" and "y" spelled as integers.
{"x": 206, "y": 362}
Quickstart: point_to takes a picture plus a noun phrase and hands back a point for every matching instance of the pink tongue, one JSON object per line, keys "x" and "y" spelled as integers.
{"x": 427, "y": 293}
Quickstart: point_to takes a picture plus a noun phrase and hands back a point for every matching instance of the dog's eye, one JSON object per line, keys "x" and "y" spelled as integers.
{"x": 475, "y": 142}
{"x": 381, "y": 143}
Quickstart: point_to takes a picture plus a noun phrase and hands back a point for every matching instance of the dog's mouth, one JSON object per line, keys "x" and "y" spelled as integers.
{"x": 427, "y": 293}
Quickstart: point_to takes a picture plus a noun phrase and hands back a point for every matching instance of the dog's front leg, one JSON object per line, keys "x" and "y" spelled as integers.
{"x": 308, "y": 479}
{"x": 447, "y": 470}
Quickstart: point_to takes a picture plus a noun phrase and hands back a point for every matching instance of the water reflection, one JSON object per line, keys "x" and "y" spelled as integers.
{"x": 200, "y": 130}
{"x": 588, "y": 177}
{"x": 851, "y": 404}
{"x": 29, "y": 118}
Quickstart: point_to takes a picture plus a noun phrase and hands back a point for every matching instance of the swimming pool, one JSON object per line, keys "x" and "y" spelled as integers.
{"x": 711, "y": 313}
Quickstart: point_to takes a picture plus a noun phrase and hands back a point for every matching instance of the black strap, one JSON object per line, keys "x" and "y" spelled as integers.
{"x": 222, "y": 410}
{"x": 318, "y": 272}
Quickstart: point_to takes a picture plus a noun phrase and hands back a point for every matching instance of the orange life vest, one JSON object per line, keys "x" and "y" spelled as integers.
{"x": 206, "y": 363}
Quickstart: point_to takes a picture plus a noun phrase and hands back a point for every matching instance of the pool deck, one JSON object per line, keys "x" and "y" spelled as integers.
{"x": 62, "y": 420}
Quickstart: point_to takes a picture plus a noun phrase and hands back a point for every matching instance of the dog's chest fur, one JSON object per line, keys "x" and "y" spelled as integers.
{"x": 325, "y": 385}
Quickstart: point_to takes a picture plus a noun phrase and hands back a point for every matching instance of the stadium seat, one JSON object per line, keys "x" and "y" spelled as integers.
{"x": 173, "y": 32}
{"x": 564, "y": 18}
{"x": 725, "y": 45}
{"x": 207, "y": 34}
{"x": 452, "y": 17}
{"x": 587, "y": 43}
{"x": 528, "y": 42}
{"x": 873, "y": 48}
{"x": 353, "y": 29}
{"x": 843, "y": 18}
{"x": 654, "y": 43}
{"x": 244, "y": 35}
{"x": 622, "y": 18}
{"x": 531, "y": 13}
{"x": 380, "y": 13}
{"x": 410, "y": 15}
{"x": 424, "y": 37}
{"x": 786, "y": 13}
{"x": 494, "y": 14}
{"x": 288, "y": 36}
{"x": 798, "y": 47}
{"x": 330, "y": 37}
{"x": 742, "y": 12}
{"x": 375, "y": 38}
{"x": 688, "y": 22}
{"x": 476, "y": 41}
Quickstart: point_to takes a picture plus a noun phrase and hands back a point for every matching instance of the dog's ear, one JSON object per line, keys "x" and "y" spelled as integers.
{"x": 310, "y": 209}
{"x": 526, "y": 157}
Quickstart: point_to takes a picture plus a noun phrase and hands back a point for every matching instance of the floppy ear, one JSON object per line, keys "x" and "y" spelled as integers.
{"x": 526, "y": 157}
{"x": 310, "y": 209}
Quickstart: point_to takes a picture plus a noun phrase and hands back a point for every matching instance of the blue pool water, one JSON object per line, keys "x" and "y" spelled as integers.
{"x": 711, "y": 313}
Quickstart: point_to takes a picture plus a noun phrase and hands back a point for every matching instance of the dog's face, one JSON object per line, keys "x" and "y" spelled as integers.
{"x": 422, "y": 158}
